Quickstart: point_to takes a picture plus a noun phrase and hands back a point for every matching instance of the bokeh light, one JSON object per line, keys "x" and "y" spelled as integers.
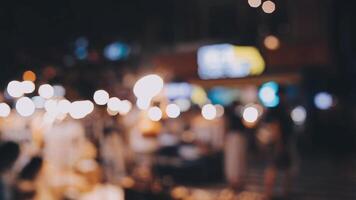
{"x": 208, "y": 111}
{"x": 271, "y": 42}
{"x": 180, "y": 192}
{"x": 51, "y": 106}
{"x": 101, "y": 97}
{"x": 177, "y": 90}
{"x": 183, "y": 104}
{"x": 222, "y": 95}
{"x": 219, "y": 61}
{"x": 111, "y": 112}
{"x": 29, "y": 76}
{"x": 64, "y": 106}
{"x": 80, "y": 109}
{"x": 268, "y": 94}
{"x": 154, "y": 113}
{"x": 114, "y": 104}
{"x": 25, "y": 106}
{"x": 38, "y": 101}
{"x": 46, "y": 91}
{"x": 15, "y": 89}
{"x": 125, "y": 107}
{"x": 82, "y": 42}
{"x": 116, "y": 51}
{"x": 298, "y": 115}
{"x": 81, "y": 53}
{"x": 59, "y": 91}
{"x": 220, "y": 110}
{"x": 4, "y": 110}
{"x": 199, "y": 95}
{"x": 28, "y": 87}
{"x": 89, "y": 106}
{"x": 250, "y": 114}
{"x": 323, "y": 100}
{"x": 148, "y": 86}
{"x": 254, "y": 3}
{"x": 172, "y": 110}
{"x": 268, "y": 7}
{"x": 143, "y": 103}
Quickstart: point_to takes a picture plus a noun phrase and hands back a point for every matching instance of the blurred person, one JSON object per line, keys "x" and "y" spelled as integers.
{"x": 280, "y": 126}
{"x": 65, "y": 145}
{"x": 9, "y": 152}
{"x": 188, "y": 150}
{"x": 141, "y": 132}
{"x": 235, "y": 148}
{"x": 203, "y": 131}
{"x": 113, "y": 155}
{"x": 218, "y": 128}
{"x": 15, "y": 128}
{"x": 26, "y": 187}
{"x": 143, "y": 136}
{"x": 169, "y": 133}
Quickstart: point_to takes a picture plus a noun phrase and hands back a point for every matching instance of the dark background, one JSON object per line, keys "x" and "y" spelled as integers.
{"x": 38, "y": 32}
{"x": 34, "y": 34}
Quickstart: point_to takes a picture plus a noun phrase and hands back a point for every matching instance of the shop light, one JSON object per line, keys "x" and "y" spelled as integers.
{"x": 228, "y": 61}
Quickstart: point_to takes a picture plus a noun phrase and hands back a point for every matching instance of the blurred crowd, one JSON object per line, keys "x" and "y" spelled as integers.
{"x": 133, "y": 157}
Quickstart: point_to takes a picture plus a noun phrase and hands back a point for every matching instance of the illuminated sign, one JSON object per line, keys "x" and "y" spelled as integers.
{"x": 229, "y": 61}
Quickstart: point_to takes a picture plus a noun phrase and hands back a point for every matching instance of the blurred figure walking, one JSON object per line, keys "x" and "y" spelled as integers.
{"x": 235, "y": 148}
{"x": 280, "y": 126}
{"x": 113, "y": 155}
